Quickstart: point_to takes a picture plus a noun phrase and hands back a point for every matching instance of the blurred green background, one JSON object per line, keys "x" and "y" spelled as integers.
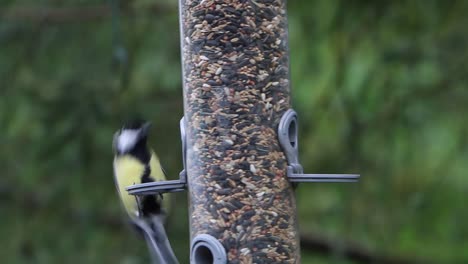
{"x": 380, "y": 88}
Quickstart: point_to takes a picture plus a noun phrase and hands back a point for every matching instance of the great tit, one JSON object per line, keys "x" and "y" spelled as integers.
{"x": 134, "y": 163}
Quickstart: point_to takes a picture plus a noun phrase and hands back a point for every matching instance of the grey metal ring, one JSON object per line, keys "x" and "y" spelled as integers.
{"x": 205, "y": 249}
{"x": 287, "y": 135}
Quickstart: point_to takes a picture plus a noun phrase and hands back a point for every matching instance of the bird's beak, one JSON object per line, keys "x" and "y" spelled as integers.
{"x": 144, "y": 130}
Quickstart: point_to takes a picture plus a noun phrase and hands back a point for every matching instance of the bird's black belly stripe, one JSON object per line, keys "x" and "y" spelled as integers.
{"x": 146, "y": 175}
{"x": 149, "y": 204}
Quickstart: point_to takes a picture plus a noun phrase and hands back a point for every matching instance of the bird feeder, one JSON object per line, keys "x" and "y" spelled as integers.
{"x": 239, "y": 134}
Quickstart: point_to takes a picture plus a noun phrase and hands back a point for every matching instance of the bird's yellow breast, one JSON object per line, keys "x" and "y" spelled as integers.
{"x": 128, "y": 171}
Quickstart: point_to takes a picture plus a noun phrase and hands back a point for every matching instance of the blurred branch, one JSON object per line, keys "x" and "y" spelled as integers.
{"x": 55, "y": 15}
{"x": 351, "y": 250}
{"x": 72, "y": 14}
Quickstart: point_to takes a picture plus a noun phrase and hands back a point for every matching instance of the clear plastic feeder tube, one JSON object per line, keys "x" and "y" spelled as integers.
{"x": 236, "y": 88}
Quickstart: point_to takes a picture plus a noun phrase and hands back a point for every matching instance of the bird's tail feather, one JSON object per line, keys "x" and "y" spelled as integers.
{"x": 162, "y": 242}
{"x": 156, "y": 239}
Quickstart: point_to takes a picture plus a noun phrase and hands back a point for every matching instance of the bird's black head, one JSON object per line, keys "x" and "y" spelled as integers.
{"x": 131, "y": 138}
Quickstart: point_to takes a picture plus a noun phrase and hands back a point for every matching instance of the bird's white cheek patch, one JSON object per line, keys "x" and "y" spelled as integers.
{"x": 127, "y": 140}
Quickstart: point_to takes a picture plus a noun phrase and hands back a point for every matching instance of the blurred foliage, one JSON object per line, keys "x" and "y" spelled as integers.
{"x": 380, "y": 87}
